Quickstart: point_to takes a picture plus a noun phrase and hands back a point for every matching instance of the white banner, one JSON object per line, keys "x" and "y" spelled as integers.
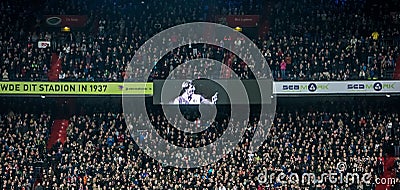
{"x": 337, "y": 87}
{"x": 43, "y": 44}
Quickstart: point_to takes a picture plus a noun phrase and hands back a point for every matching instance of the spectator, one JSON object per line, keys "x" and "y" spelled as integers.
{"x": 283, "y": 69}
{"x": 5, "y": 75}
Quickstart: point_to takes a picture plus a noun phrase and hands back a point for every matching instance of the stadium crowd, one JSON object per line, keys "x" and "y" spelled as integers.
{"x": 101, "y": 152}
{"x": 331, "y": 40}
{"x": 300, "y": 45}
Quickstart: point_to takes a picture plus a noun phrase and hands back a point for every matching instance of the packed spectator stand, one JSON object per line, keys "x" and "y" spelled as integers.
{"x": 328, "y": 40}
{"x": 305, "y": 41}
{"x": 101, "y": 152}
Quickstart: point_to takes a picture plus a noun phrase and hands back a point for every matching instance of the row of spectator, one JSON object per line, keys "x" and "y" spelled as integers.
{"x": 101, "y": 150}
{"x": 300, "y": 45}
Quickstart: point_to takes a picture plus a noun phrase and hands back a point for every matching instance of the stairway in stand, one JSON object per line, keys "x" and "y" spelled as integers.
{"x": 62, "y": 112}
{"x": 58, "y": 132}
{"x": 263, "y": 29}
{"x": 388, "y": 174}
{"x": 225, "y": 71}
{"x": 55, "y": 68}
{"x": 396, "y": 74}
